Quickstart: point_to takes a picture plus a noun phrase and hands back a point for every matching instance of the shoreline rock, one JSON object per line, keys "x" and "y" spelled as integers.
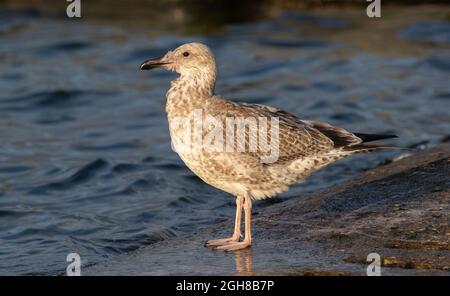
{"x": 400, "y": 211}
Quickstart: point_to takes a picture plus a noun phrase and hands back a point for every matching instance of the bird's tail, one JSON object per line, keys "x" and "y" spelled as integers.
{"x": 373, "y": 137}
{"x": 364, "y": 147}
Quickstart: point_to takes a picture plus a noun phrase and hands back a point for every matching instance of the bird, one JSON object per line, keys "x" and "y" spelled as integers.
{"x": 304, "y": 146}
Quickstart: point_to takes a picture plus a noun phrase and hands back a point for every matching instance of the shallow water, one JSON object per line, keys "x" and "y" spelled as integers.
{"x": 85, "y": 158}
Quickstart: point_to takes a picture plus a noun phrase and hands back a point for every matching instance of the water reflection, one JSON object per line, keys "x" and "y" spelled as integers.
{"x": 244, "y": 261}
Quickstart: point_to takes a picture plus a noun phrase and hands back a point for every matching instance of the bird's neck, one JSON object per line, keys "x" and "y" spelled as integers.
{"x": 189, "y": 92}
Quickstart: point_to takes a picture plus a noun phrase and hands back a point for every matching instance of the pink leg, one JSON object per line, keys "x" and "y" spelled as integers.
{"x": 237, "y": 227}
{"x": 236, "y": 245}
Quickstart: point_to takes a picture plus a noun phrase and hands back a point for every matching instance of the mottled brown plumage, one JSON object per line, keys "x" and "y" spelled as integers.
{"x": 304, "y": 145}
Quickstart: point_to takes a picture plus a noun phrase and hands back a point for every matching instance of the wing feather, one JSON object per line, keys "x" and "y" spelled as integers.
{"x": 297, "y": 138}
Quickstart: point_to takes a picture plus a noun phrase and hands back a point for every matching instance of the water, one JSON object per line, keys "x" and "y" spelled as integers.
{"x": 85, "y": 158}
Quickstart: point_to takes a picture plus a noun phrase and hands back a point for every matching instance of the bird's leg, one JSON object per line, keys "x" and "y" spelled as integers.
{"x": 233, "y": 246}
{"x": 237, "y": 227}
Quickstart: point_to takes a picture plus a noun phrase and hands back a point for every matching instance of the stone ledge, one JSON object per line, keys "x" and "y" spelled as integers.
{"x": 400, "y": 210}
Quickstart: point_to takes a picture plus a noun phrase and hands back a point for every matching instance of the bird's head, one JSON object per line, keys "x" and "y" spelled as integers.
{"x": 190, "y": 59}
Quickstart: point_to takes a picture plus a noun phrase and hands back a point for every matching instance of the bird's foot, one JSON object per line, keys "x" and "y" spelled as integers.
{"x": 220, "y": 242}
{"x": 234, "y": 246}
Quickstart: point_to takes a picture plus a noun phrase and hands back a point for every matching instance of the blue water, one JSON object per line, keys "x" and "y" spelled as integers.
{"x": 85, "y": 158}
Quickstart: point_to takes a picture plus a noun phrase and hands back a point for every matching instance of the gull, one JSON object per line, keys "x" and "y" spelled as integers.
{"x": 304, "y": 146}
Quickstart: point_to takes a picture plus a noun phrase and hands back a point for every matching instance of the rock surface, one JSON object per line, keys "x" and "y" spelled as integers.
{"x": 400, "y": 211}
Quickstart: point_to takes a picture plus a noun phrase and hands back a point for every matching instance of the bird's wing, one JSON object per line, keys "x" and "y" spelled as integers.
{"x": 297, "y": 138}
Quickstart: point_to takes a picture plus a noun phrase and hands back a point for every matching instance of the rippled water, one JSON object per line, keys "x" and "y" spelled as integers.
{"x": 85, "y": 158}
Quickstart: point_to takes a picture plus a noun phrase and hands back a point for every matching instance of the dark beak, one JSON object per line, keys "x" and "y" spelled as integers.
{"x": 153, "y": 63}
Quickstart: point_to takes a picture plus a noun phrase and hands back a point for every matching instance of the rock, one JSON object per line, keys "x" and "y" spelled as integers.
{"x": 400, "y": 211}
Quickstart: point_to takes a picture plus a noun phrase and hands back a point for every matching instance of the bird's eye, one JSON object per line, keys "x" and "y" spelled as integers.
{"x": 185, "y": 54}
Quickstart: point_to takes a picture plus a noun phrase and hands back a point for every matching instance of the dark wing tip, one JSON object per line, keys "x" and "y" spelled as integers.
{"x": 374, "y": 137}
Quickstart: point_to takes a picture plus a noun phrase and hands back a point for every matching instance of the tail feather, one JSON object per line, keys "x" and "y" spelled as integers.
{"x": 369, "y": 147}
{"x": 364, "y": 147}
{"x": 373, "y": 137}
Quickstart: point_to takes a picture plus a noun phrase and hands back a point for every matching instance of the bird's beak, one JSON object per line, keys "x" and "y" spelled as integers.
{"x": 153, "y": 63}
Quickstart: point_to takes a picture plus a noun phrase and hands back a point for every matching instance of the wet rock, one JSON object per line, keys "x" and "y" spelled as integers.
{"x": 445, "y": 139}
{"x": 400, "y": 211}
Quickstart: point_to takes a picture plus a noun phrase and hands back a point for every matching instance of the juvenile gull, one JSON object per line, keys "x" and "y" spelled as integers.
{"x": 304, "y": 146}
